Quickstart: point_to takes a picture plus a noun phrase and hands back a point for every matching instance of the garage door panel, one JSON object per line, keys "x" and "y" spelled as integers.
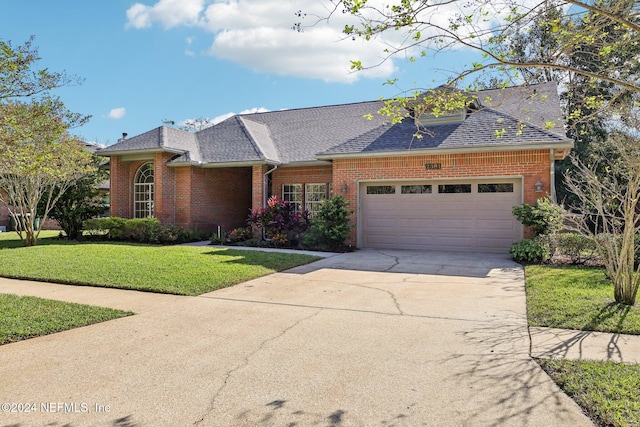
{"x": 466, "y": 221}
{"x": 489, "y": 227}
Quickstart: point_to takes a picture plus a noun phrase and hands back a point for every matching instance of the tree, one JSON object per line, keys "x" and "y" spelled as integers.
{"x": 37, "y": 154}
{"x": 80, "y": 202}
{"x": 417, "y": 27}
{"x": 39, "y": 161}
{"x": 609, "y": 210}
{"x": 18, "y": 76}
{"x": 190, "y": 125}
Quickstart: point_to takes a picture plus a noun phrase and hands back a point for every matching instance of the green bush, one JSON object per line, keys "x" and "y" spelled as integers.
{"x": 543, "y": 217}
{"x": 144, "y": 230}
{"x": 141, "y": 230}
{"x": 576, "y": 246}
{"x": 531, "y": 250}
{"x": 111, "y": 228}
{"x": 330, "y": 226}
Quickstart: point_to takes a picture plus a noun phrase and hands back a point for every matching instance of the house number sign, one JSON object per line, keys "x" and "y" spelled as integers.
{"x": 433, "y": 166}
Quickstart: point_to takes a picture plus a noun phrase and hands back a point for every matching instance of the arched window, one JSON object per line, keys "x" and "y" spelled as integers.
{"x": 143, "y": 192}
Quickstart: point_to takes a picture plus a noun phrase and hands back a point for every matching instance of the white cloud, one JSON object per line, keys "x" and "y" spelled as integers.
{"x": 117, "y": 113}
{"x": 257, "y": 34}
{"x": 169, "y": 13}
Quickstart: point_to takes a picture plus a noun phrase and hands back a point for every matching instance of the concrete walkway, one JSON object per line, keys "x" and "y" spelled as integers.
{"x": 369, "y": 338}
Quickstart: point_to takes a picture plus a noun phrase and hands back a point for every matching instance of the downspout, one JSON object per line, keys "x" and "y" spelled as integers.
{"x": 265, "y": 186}
{"x": 552, "y": 180}
{"x": 264, "y": 192}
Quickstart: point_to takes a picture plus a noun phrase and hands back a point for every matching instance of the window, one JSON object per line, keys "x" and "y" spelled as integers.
{"x": 314, "y": 194}
{"x": 143, "y": 192}
{"x": 495, "y": 188}
{"x": 454, "y": 188}
{"x": 381, "y": 189}
{"x": 293, "y": 193}
{"x": 416, "y": 189}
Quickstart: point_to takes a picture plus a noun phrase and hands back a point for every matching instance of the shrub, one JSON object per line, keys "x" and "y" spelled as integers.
{"x": 531, "y": 250}
{"x": 111, "y": 227}
{"x": 279, "y": 218}
{"x": 142, "y": 230}
{"x": 576, "y": 246}
{"x": 543, "y": 217}
{"x": 330, "y": 226}
{"x": 240, "y": 234}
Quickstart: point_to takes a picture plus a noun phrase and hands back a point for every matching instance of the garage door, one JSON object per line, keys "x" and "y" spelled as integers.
{"x": 472, "y": 215}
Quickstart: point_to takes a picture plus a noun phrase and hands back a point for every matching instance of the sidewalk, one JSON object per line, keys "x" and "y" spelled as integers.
{"x": 547, "y": 343}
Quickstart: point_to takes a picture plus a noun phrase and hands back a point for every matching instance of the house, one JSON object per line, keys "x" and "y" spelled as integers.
{"x": 452, "y": 189}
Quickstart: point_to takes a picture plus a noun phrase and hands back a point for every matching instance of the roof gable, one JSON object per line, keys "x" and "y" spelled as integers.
{"x": 501, "y": 118}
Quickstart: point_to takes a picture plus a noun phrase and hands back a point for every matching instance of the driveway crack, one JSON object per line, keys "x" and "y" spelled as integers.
{"x": 395, "y": 259}
{"x": 391, "y": 294}
{"x": 245, "y": 362}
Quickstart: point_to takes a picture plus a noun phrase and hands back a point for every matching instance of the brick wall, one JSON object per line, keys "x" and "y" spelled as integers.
{"x": 122, "y": 174}
{"x": 218, "y": 197}
{"x": 533, "y": 165}
{"x": 186, "y": 196}
{"x": 300, "y": 175}
{"x": 257, "y": 193}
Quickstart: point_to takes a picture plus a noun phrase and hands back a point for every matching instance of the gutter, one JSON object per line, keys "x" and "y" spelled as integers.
{"x": 450, "y": 150}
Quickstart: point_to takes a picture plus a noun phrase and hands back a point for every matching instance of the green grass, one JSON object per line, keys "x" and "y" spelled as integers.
{"x": 570, "y": 297}
{"x": 181, "y": 270}
{"x": 28, "y": 317}
{"x": 607, "y": 391}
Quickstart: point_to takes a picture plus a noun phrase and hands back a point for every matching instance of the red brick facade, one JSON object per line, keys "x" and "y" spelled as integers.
{"x": 209, "y": 197}
{"x": 532, "y": 165}
{"x": 188, "y": 197}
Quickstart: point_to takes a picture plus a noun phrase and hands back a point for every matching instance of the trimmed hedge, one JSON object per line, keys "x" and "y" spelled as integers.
{"x": 142, "y": 230}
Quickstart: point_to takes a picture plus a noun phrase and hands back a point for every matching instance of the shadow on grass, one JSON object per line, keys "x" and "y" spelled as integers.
{"x": 272, "y": 260}
{"x": 609, "y": 311}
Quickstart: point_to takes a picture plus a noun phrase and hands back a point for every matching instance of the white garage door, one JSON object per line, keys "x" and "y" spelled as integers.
{"x": 472, "y": 215}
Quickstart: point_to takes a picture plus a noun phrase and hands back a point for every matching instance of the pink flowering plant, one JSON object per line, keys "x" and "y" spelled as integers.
{"x": 280, "y": 220}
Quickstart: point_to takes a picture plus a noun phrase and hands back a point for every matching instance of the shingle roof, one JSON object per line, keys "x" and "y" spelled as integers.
{"x": 308, "y": 134}
{"x": 161, "y": 138}
{"x": 479, "y": 129}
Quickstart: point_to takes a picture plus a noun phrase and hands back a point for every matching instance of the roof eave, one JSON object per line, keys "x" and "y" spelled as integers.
{"x": 568, "y": 144}
{"x": 139, "y": 151}
{"x": 237, "y": 164}
{"x": 316, "y": 162}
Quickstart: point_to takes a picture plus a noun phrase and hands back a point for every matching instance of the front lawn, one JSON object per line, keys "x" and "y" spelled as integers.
{"x": 607, "y": 391}
{"x": 182, "y": 270}
{"x": 9, "y": 240}
{"x": 28, "y": 317}
{"x": 570, "y": 297}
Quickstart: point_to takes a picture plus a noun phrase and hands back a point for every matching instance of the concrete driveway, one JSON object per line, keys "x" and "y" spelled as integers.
{"x": 372, "y": 338}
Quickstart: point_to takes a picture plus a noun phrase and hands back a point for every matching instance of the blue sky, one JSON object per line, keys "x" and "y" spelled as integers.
{"x": 182, "y": 59}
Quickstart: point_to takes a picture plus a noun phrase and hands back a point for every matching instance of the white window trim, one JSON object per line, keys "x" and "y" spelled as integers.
{"x": 144, "y": 207}
{"x": 312, "y": 205}
{"x": 299, "y": 193}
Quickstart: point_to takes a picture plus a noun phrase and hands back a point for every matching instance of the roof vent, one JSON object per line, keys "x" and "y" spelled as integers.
{"x": 124, "y": 135}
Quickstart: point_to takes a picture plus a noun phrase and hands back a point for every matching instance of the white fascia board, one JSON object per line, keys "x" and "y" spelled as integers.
{"x": 452, "y": 150}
